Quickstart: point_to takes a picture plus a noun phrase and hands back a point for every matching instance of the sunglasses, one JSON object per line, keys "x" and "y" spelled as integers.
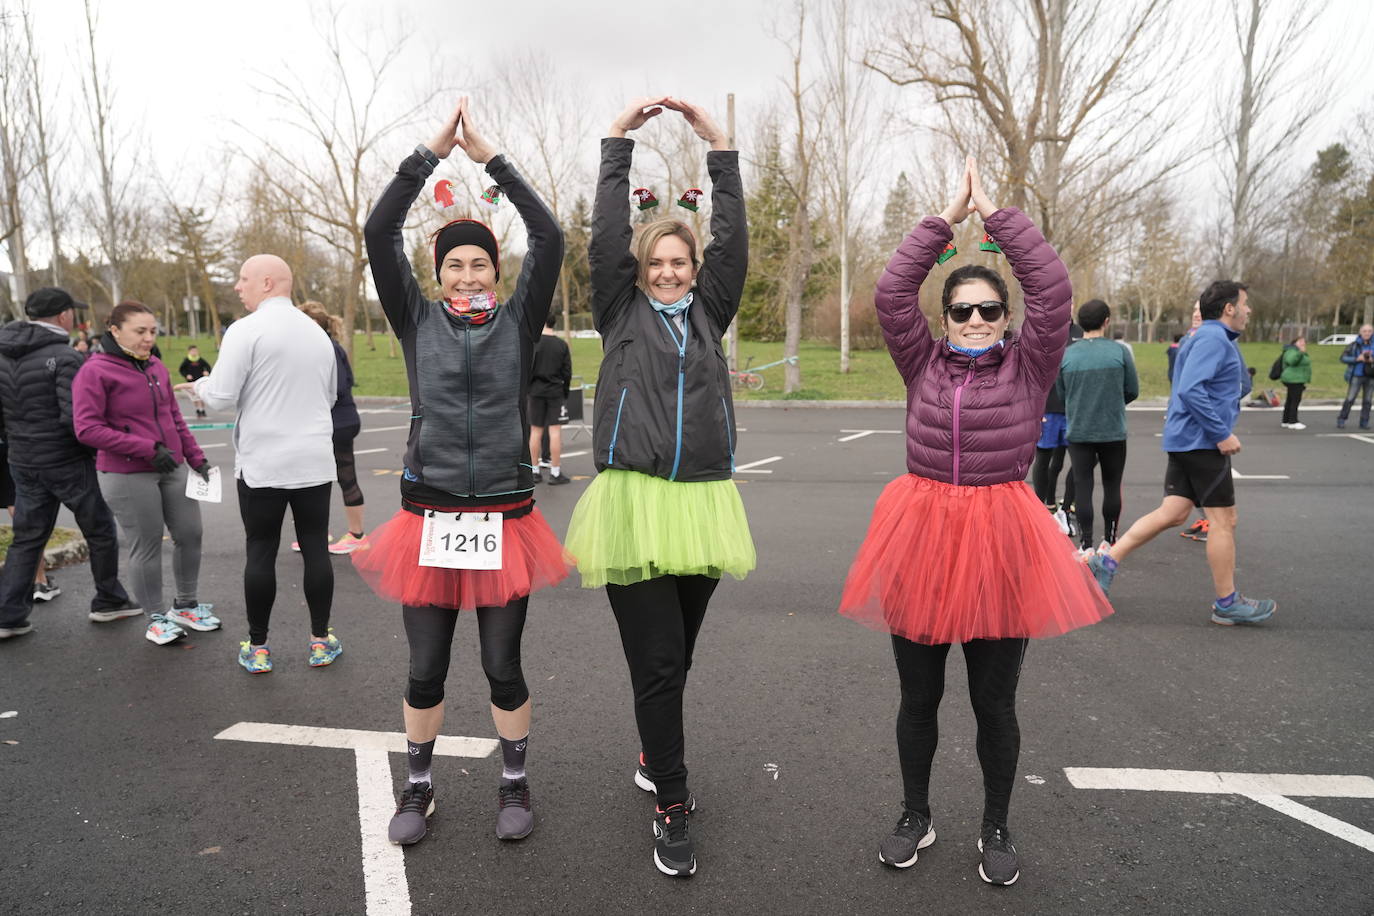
{"x": 960, "y": 312}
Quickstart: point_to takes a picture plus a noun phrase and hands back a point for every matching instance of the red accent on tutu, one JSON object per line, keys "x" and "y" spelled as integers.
{"x": 531, "y": 559}
{"x": 946, "y": 564}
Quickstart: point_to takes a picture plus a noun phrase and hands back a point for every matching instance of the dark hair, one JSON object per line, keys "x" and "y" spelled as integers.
{"x": 1216, "y": 297}
{"x": 972, "y": 273}
{"x": 1093, "y": 314}
{"x": 551, "y": 320}
{"x": 1294, "y": 341}
{"x": 126, "y": 310}
{"x": 1177, "y": 338}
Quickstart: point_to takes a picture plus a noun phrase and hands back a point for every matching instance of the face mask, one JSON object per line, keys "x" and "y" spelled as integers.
{"x": 672, "y": 309}
{"x": 477, "y": 309}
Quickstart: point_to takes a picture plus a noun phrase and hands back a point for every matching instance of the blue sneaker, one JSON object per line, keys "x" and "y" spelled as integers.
{"x": 162, "y": 630}
{"x": 1103, "y": 575}
{"x": 1244, "y": 610}
{"x": 255, "y": 661}
{"x": 196, "y": 618}
{"x": 324, "y": 651}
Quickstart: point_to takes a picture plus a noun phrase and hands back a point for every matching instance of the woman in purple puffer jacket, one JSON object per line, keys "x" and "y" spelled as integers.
{"x": 123, "y": 407}
{"x": 960, "y": 550}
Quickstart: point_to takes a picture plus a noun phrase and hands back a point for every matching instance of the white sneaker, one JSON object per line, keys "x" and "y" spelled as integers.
{"x": 1297, "y": 426}
{"x": 162, "y": 631}
{"x": 1062, "y": 520}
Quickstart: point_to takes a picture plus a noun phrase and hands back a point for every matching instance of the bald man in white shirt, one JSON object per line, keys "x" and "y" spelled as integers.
{"x": 277, "y": 367}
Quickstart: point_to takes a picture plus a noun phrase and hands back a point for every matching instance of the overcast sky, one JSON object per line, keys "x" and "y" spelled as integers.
{"x": 184, "y": 72}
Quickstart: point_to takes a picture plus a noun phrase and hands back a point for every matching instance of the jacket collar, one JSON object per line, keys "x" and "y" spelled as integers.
{"x": 111, "y": 348}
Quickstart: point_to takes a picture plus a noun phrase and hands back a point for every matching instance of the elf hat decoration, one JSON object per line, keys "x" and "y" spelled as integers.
{"x": 987, "y": 244}
{"x": 949, "y": 252}
{"x": 644, "y": 198}
{"x": 491, "y": 197}
{"x": 690, "y": 199}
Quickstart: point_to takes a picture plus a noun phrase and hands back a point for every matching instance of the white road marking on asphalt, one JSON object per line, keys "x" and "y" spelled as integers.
{"x": 575, "y": 454}
{"x": 862, "y": 433}
{"x": 369, "y": 451}
{"x": 352, "y": 739}
{"x": 1268, "y": 789}
{"x": 9, "y": 714}
{"x": 1237, "y": 475}
{"x": 1366, "y": 439}
{"x": 752, "y": 467}
{"x": 205, "y": 445}
{"x": 384, "y": 865}
{"x": 1324, "y": 822}
{"x": 383, "y": 429}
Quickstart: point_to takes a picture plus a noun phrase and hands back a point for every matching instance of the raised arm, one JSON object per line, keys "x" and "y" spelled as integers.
{"x": 725, "y": 262}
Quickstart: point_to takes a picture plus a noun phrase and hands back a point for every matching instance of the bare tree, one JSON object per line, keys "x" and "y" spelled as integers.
{"x": 326, "y": 186}
{"x": 16, "y": 160}
{"x": 47, "y": 148}
{"x": 1280, "y": 94}
{"x": 1162, "y": 275}
{"x": 1071, "y": 103}
{"x": 110, "y": 212}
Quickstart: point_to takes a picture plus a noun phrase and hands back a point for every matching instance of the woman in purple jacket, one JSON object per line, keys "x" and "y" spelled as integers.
{"x": 123, "y": 406}
{"x": 960, "y": 550}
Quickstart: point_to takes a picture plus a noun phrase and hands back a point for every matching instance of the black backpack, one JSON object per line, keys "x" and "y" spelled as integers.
{"x": 1276, "y": 370}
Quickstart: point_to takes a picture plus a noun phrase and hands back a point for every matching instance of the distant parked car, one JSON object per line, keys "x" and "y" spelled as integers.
{"x": 595, "y": 334}
{"x": 1337, "y": 340}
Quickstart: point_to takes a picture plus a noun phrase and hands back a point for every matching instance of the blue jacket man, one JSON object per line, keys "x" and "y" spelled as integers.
{"x": 1359, "y": 374}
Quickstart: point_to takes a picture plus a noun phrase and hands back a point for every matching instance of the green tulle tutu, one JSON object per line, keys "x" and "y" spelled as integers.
{"x": 629, "y": 527}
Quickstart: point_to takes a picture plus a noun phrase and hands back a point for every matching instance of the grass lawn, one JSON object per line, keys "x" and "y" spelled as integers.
{"x": 59, "y": 537}
{"x": 871, "y": 376}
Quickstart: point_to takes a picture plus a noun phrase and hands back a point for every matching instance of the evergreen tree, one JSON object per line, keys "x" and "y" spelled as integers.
{"x": 769, "y": 207}
{"x": 899, "y": 214}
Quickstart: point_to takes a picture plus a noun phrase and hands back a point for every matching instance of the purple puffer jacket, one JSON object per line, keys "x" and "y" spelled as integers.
{"x": 975, "y": 421}
{"x": 123, "y": 411}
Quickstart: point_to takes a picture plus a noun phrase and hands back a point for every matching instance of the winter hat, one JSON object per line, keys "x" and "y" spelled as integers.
{"x": 50, "y": 301}
{"x": 466, "y": 232}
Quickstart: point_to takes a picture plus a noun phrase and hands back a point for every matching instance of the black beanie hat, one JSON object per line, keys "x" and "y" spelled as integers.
{"x": 466, "y": 232}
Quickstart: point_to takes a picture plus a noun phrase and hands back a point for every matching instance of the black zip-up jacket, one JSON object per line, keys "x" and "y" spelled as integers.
{"x": 552, "y": 373}
{"x": 469, "y": 431}
{"x": 663, "y": 404}
{"x": 37, "y": 366}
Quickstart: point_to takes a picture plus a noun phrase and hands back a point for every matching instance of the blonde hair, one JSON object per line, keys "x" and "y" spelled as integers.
{"x": 331, "y": 324}
{"x": 655, "y": 232}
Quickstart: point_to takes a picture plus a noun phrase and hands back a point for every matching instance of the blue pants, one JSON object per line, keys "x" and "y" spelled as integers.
{"x": 39, "y": 495}
{"x": 1356, "y": 384}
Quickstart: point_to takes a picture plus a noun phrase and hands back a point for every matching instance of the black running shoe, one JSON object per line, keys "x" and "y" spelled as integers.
{"x": 1000, "y": 863}
{"x": 646, "y": 782}
{"x": 408, "y": 823}
{"x": 914, "y": 832}
{"x": 673, "y": 851}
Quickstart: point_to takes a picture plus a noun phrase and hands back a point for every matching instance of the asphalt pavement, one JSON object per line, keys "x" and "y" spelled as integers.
{"x": 117, "y": 797}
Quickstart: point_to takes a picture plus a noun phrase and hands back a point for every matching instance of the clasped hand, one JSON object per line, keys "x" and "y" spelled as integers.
{"x": 969, "y": 197}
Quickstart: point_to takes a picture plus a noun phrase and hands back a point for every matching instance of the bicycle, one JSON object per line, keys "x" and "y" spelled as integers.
{"x": 751, "y": 379}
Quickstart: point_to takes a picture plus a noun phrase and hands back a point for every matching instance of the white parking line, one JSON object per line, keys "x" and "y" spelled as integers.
{"x": 384, "y": 865}
{"x": 1237, "y": 475}
{"x": 382, "y": 429}
{"x": 863, "y": 433}
{"x": 1268, "y": 789}
{"x": 753, "y": 466}
{"x": 370, "y": 451}
{"x": 1366, "y": 439}
{"x": 205, "y": 445}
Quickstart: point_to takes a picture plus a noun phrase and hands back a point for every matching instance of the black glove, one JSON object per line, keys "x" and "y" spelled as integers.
{"x": 203, "y": 469}
{"x": 164, "y": 462}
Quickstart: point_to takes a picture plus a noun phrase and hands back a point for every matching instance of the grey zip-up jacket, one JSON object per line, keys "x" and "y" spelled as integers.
{"x": 469, "y": 431}
{"x": 663, "y": 404}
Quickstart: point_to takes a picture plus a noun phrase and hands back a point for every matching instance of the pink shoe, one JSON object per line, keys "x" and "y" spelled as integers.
{"x": 347, "y": 544}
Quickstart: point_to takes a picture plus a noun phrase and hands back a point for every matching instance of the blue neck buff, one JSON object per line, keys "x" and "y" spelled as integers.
{"x": 972, "y": 352}
{"x": 671, "y": 309}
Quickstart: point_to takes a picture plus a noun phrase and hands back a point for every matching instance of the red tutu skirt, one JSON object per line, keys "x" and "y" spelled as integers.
{"x": 947, "y": 564}
{"x": 531, "y": 559}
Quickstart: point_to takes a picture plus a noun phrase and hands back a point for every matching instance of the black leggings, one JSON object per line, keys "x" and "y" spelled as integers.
{"x": 429, "y": 630}
{"x": 1045, "y": 475}
{"x": 659, "y": 620}
{"x": 994, "y": 667}
{"x": 1086, "y": 456}
{"x": 343, "y": 462}
{"x": 263, "y": 509}
{"x": 1290, "y": 403}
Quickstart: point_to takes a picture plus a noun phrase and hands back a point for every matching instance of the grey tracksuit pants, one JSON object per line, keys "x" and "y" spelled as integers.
{"x": 143, "y": 503}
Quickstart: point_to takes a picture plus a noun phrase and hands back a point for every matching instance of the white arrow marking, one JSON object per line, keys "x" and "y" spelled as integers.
{"x": 750, "y": 467}
{"x": 1268, "y": 789}
{"x": 384, "y": 865}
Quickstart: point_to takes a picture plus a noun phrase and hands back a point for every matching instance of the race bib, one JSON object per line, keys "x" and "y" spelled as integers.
{"x": 207, "y": 491}
{"x": 461, "y": 540}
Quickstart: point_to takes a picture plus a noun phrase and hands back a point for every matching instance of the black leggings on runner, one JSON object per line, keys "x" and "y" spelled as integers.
{"x": 263, "y": 509}
{"x": 659, "y": 620}
{"x": 429, "y": 630}
{"x": 1086, "y": 456}
{"x": 343, "y": 462}
{"x": 1045, "y": 475}
{"x": 994, "y": 668}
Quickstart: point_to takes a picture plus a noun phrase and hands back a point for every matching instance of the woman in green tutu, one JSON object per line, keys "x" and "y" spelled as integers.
{"x": 663, "y": 520}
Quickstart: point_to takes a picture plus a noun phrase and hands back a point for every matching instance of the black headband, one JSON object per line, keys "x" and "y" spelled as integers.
{"x": 466, "y": 232}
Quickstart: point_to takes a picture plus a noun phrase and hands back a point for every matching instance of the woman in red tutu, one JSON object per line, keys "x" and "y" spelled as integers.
{"x": 960, "y": 550}
{"x": 467, "y": 536}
